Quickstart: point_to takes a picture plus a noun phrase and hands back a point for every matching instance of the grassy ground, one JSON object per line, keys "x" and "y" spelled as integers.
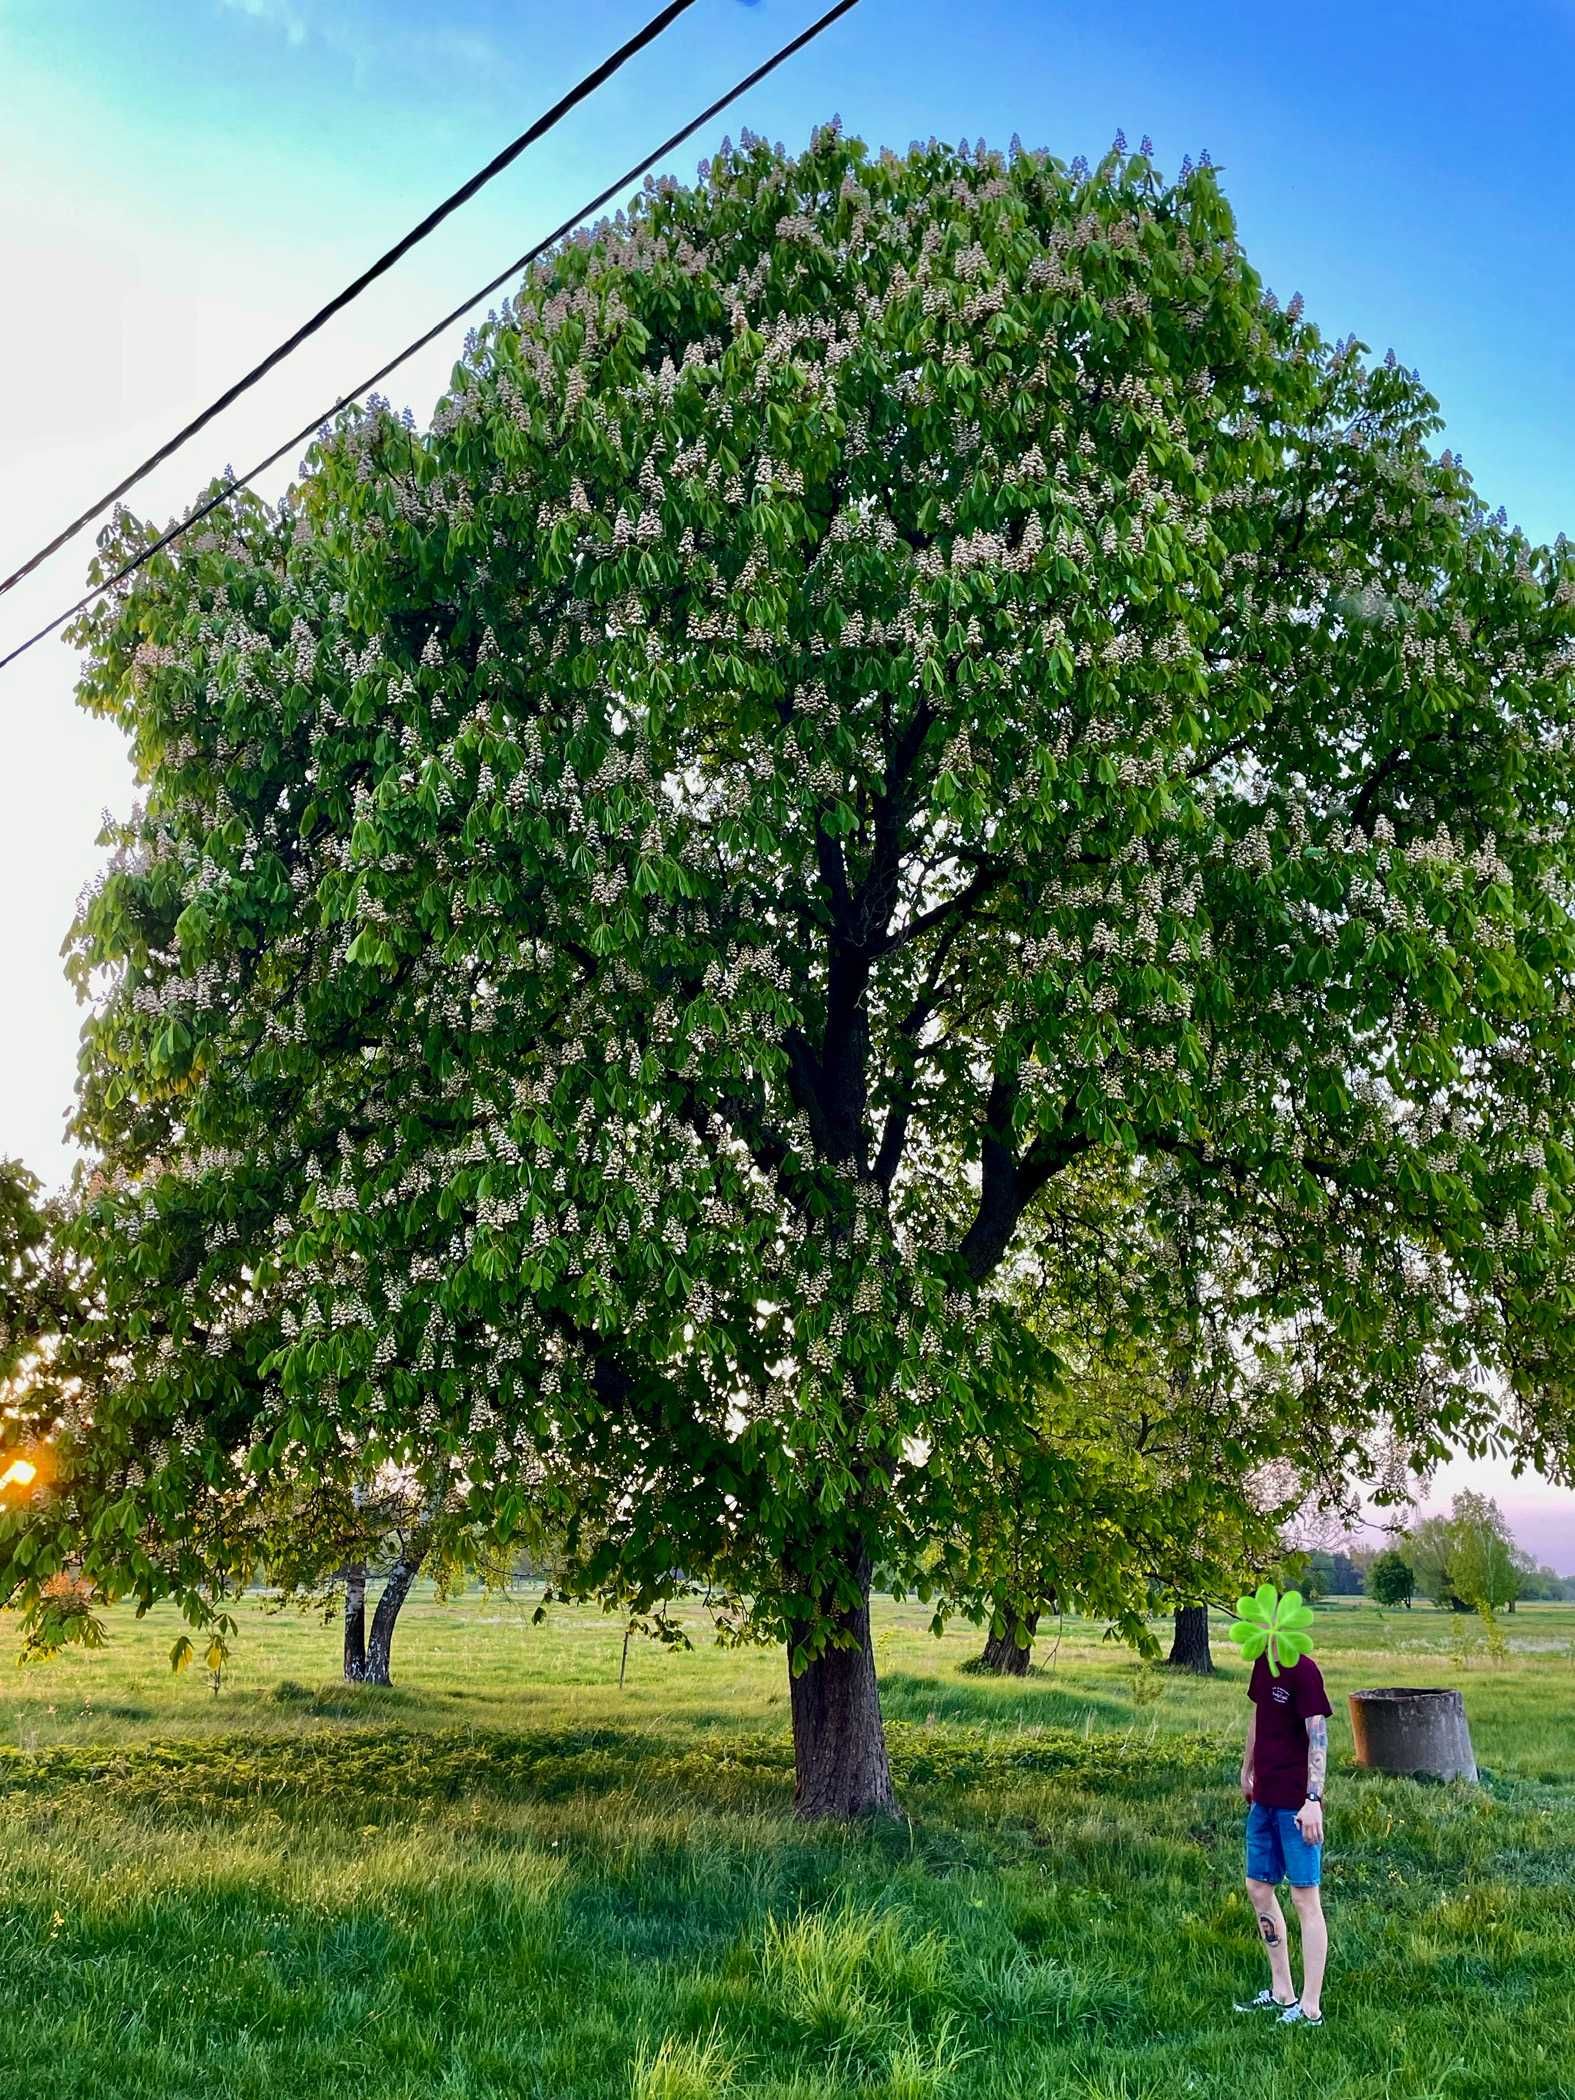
{"x": 510, "y": 1877}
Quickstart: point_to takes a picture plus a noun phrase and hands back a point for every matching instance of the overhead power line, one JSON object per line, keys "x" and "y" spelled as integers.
{"x": 523, "y": 262}
{"x": 418, "y": 233}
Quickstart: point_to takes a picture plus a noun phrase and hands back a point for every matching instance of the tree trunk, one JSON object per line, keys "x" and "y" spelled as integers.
{"x": 839, "y": 1746}
{"x": 355, "y": 1625}
{"x": 1002, "y": 1656}
{"x": 1189, "y": 1650}
{"x": 380, "y": 1648}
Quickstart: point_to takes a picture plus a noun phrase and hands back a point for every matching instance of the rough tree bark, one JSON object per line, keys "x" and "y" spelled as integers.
{"x": 1189, "y": 1650}
{"x": 355, "y": 1625}
{"x": 840, "y": 1766}
{"x": 1003, "y": 1657}
{"x": 380, "y": 1646}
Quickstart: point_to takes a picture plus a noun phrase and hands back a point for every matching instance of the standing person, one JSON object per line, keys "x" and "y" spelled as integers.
{"x": 1282, "y": 1777}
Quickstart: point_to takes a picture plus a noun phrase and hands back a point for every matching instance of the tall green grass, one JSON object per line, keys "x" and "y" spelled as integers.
{"x": 508, "y": 1877}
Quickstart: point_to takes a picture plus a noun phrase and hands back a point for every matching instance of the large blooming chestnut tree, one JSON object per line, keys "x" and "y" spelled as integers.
{"x": 888, "y": 676}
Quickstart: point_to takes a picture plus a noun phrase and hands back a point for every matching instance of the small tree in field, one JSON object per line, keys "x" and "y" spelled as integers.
{"x": 1486, "y": 1567}
{"x": 1391, "y": 1579}
{"x": 322, "y": 1549}
{"x": 887, "y": 678}
{"x": 1428, "y": 1549}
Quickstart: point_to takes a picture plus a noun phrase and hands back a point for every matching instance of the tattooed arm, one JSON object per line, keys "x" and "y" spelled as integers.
{"x": 1317, "y": 1754}
{"x": 1246, "y": 1755}
{"x": 1310, "y": 1815}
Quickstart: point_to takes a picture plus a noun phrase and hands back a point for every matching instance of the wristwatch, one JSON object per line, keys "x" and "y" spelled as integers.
{"x": 1315, "y": 1793}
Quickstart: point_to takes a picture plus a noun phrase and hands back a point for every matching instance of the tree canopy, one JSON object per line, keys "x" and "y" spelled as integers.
{"x": 23, "y": 1238}
{"x": 887, "y": 678}
{"x": 40, "y": 1298}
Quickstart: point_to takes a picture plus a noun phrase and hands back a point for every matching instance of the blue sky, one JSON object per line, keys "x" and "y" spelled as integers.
{"x": 1404, "y": 166}
{"x": 181, "y": 181}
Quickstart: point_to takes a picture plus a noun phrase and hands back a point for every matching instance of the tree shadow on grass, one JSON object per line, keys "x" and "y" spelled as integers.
{"x": 992, "y": 1702}
{"x": 377, "y": 1776}
{"x": 335, "y": 1700}
{"x": 527, "y": 1969}
{"x": 382, "y": 1773}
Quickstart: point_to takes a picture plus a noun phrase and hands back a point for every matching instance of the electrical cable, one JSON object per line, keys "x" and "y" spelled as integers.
{"x": 213, "y": 503}
{"x": 385, "y": 262}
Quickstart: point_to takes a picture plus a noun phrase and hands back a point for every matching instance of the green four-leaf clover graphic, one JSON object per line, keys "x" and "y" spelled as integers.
{"x": 1273, "y": 1625}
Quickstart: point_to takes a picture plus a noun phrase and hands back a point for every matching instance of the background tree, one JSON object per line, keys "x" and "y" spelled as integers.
{"x": 22, "y": 1236}
{"x": 41, "y": 1299}
{"x": 1391, "y": 1579}
{"x": 1189, "y": 1646}
{"x": 322, "y": 1550}
{"x": 1428, "y": 1547}
{"x": 1162, "y": 1423}
{"x": 23, "y": 1242}
{"x": 1467, "y": 1560}
{"x": 888, "y": 676}
{"x": 1486, "y": 1567}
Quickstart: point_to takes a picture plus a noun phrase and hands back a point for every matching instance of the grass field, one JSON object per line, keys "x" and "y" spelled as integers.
{"x": 511, "y": 1877}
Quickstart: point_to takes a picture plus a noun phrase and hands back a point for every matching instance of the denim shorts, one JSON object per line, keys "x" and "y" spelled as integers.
{"x": 1277, "y": 1851}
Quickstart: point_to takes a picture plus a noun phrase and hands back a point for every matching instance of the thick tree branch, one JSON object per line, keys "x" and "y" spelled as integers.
{"x": 1007, "y": 1184}
{"x": 834, "y": 874}
{"x": 877, "y": 893}
{"x": 1387, "y": 767}
{"x": 894, "y": 1135}
{"x": 949, "y": 910}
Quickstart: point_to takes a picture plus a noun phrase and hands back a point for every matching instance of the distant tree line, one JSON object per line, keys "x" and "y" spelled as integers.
{"x": 1337, "y": 1574}
{"x": 1466, "y": 1561}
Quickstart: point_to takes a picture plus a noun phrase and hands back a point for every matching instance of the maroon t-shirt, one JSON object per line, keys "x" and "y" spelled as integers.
{"x": 1279, "y": 1751}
